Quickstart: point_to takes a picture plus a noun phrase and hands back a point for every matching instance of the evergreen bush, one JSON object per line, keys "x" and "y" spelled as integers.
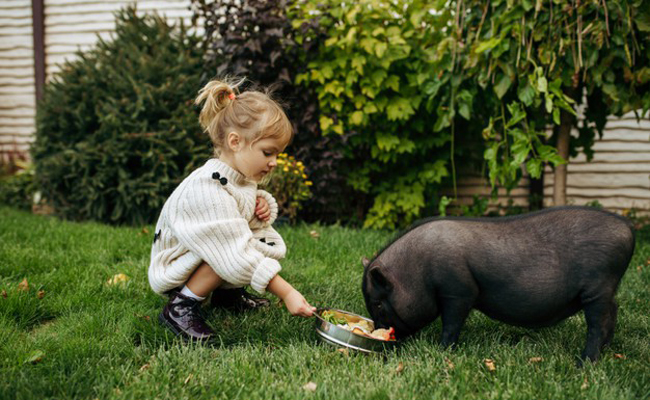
{"x": 117, "y": 130}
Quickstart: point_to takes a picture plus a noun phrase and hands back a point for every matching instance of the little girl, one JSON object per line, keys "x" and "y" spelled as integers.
{"x": 215, "y": 230}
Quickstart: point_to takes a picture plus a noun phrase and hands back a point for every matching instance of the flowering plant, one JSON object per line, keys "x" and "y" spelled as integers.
{"x": 289, "y": 185}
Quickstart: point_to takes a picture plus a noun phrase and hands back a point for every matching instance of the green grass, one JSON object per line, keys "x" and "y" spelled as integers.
{"x": 85, "y": 339}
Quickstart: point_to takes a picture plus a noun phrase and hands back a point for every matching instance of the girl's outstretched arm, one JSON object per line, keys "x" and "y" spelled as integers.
{"x": 295, "y": 302}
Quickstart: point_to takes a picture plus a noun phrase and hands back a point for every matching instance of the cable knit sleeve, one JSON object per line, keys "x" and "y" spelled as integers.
{"x": 270, "y": 243}
{"x": 207, "y": 222}
{"x": 255, "y": 223}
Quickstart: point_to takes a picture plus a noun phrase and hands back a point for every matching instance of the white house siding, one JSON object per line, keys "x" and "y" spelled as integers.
{"x": 17, "y": 98}
{"x": 70, "y": 25}
{"x": 469, "y": 185}
{"x": 618, "y": 176}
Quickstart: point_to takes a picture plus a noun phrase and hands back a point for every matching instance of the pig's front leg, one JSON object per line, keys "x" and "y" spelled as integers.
{"x": 454, "y": 312}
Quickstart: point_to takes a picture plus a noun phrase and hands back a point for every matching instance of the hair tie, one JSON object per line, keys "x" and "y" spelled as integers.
{"x": 231, "y": 96}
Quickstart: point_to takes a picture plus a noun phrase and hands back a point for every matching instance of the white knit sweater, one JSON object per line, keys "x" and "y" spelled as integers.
{"x": 212, "y": 219}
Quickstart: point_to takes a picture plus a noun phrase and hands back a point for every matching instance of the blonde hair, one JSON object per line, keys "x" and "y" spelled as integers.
{"x": 254, "y": 115}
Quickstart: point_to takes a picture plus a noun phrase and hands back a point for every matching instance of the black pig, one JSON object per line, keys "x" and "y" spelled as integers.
{"x": 530, "y": 270}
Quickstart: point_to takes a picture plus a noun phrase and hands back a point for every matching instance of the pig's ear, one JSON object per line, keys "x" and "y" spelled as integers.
{"x": 365, "y": 262}
{"x": 379, "y": 278}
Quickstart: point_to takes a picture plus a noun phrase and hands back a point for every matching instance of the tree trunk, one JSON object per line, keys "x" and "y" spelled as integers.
{"x": 563, "y": 138}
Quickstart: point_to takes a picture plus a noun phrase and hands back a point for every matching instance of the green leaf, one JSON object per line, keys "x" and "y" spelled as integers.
{"x": 443, "y": 121}
{"x": 331, "y": 41}
{"x": 549, "y": 103}
{"x": 399, "y": 108}
{"x": 519, "y": 152}
{"x": 34, "y": 357}
{"x": 325, "y": 123}
{"x": 487, "y": 45}
{"x": 526, "y": 94}
{"x": 378, "y": 76}
{"x": 370, "y": 108}
{"x": 356, "y": 118}
{"x": 527, "y": 5}
{"x": 464, "y": 101}
{"x": 502, "y": 86}
{"x": 358, "y": 62}
{"x": 433, "y": 173}
{"x": 442, "y": 205}
{"x": 517, "y": 114}
{"x": 542, "y": 84}
{"x": 393, "y": 82}
{"x": 534, "y": 167}
{"x": 431, "y": 88}
{"x": 380, "y": 49}
{"x": 386, "y": 141}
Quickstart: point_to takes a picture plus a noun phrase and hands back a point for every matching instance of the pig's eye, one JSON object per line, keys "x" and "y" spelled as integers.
{"x": 378, "y": 305}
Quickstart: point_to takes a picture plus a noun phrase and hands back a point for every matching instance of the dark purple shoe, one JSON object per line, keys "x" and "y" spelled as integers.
{"x": 182, "y": 315}
{"x": 237, "y": 300}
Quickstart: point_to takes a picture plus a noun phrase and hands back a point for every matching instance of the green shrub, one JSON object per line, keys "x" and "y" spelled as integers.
{"x": 379, "y": 80}
{"x": 290, "y": 186}
{"x": 117, "y": 131}
{"x": 17, "y": 182}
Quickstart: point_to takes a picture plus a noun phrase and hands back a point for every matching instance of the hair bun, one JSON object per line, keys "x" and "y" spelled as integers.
{"x": 215, "y": 96}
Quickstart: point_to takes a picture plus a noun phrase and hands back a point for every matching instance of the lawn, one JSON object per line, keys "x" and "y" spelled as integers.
{"x": 66, "y": 333}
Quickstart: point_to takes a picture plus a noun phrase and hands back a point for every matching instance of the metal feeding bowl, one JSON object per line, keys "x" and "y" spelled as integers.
{"x": 341, "y": 337}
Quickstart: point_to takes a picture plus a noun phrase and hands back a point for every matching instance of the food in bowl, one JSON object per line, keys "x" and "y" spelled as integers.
{"x": 358, "y": 326}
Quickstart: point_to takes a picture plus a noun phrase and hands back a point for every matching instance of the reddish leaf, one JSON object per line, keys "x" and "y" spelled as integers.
{"x": 23, "y": 286}
{"x": 400, "y": 367}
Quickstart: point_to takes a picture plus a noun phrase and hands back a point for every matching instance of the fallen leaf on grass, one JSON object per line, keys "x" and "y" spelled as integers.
{"x": 490, "y": 364}
{"x": 344, "y": 351}
{"x": 145, "y": 231}
{"x": 309, "y": 386}
{"x": 35, "y": 357}
{"x": 145, "y": 367}
{"x": 144, "y": 317}
{"x": 4, "y": 294}
{"x": 314, "y": 234}
{"x": 400, "y": 367}
{"x": 117, "y": 279}
{"x": 189, "y": 377}
{"x": 585, "y": 384}
{"x": 619, "y": 356}
{"x": 450, "y": 364}
{"x": 535, "y": 360}
{"x": 23, "y": 286}
{"x": 40, "y": 294}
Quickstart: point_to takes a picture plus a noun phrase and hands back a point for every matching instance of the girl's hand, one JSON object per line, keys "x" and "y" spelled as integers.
{"x": 262, "y": 210}
{"x": 297, "y": 305}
